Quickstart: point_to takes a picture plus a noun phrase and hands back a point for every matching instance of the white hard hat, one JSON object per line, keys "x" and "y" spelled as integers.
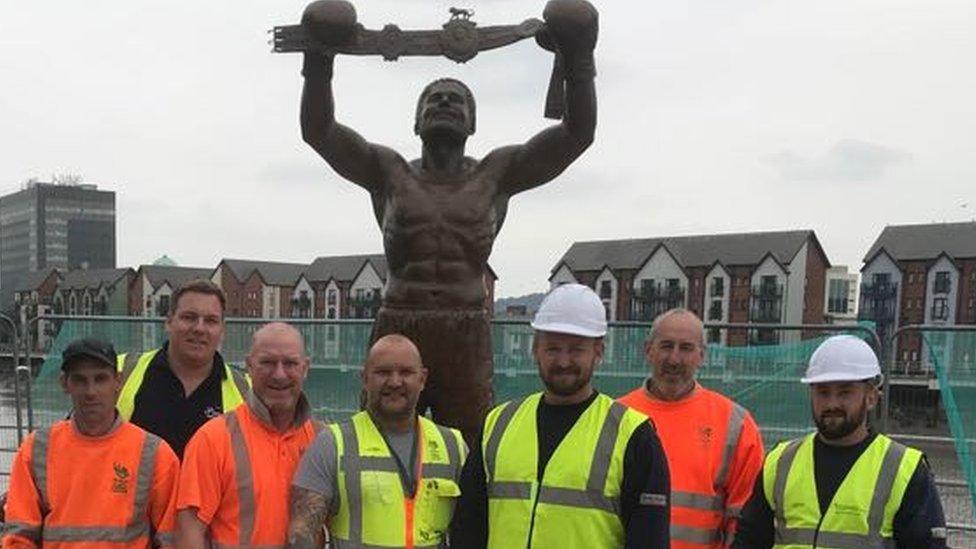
{"x": 842, "y": 358}
{"x": 572, "y": 309}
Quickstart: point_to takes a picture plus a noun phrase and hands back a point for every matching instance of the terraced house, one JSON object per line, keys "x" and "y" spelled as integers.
{"x": 920, "y": 274}
{"x": 766, "y": 277}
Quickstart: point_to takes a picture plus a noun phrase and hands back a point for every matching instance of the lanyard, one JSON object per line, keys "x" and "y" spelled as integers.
{"x": 408, "y": 481}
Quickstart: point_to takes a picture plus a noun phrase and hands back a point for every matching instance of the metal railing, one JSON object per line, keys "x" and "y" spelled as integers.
{"x": 885, "y": 349}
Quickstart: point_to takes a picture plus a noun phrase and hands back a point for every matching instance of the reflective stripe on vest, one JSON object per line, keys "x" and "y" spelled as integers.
{"x": 886, "y": 467}
{"x": 425, "y": 517}
{"x": 133, "y": 367}
{"x": 138, "y": 526}
{"x": 247, "y": 500}
{"x": 517, "y": 504}
{"x": 711, "y": 503}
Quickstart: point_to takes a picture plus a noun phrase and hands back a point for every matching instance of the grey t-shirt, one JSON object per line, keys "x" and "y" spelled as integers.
{"x": 317, "y": 469}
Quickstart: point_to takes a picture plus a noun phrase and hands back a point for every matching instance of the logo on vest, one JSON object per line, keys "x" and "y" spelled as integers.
{"x": 120, "y": 485}
{"x": 705, "y": 433}
{"x": 210, "y": 412}
{"x": 434, "y": 451}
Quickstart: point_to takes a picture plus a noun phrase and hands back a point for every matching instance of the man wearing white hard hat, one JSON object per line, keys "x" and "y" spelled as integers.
{"x": 844, "y": 485}
{"x": 568, "y": 467}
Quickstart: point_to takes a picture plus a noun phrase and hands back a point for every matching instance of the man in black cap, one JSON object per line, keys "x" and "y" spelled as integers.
{"x": 93, "y": 468}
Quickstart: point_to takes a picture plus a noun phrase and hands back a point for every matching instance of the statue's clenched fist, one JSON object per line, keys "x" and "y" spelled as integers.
{"x": 571, "y": 27}
{"x": 331, "y": 22}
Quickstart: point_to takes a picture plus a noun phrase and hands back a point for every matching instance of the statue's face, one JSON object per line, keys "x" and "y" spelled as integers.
{"x": 445, "y": 108}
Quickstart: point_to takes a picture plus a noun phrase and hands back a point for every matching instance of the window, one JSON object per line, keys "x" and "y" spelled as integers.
{"x": 940, "y": 308}
{"x": 646, "y": 287}
{"x": 164, "y": 305}
{"x": 714, "y": 335}
{"x": 880, "y": 278}
{"x": 942, "y": 282}
{"x": 718, "y": 286}
{"x": 331, "y": 299}
{"x": 605, "y": 289}
{"x": 837, "y": 292}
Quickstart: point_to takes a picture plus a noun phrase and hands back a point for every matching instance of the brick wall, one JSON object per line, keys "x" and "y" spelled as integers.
{"x": 815, "y": 286}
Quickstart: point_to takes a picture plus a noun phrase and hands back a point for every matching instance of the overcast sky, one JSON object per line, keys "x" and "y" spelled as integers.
{"x": 839, "y": 116}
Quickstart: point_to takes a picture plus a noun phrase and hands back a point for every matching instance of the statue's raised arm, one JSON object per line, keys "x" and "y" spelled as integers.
{"x": 571, "y": 32}
{"x": 440, "y": 213}
{"x": 348, "y": 153}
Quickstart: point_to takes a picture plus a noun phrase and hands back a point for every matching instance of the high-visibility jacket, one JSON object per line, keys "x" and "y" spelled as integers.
{"x": 577, "y": 501}
{"x": 715, "y": 452}
{"x": 860, "y": 515}
{"x": 133, "y": 366}
{"x": 373, "y": 509}
{"x": 70, "y": 490}
{"x": 237, "y": 472}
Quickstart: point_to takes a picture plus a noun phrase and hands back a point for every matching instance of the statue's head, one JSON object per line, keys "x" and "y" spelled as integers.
{"x": 445, "y": 104}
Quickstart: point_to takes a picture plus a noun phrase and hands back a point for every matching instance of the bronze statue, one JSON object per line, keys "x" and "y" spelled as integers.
{"x": 440, "y": 213}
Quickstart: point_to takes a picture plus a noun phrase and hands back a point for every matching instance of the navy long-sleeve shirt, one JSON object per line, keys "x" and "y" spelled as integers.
{"x": 919, "y": 522}
{"x": 646, "y": 526}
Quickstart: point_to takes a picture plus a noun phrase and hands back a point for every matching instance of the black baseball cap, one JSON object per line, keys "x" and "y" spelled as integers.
{"x": 89, "y": 347}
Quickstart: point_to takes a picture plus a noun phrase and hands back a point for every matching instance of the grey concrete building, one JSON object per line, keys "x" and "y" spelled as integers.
{"x": 45, "y": 225}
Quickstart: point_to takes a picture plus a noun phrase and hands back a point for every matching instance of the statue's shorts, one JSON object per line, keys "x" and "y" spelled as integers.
{"x": 455, "y": 346}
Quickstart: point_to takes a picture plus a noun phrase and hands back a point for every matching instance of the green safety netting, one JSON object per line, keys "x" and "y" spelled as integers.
{"x": 953, "y": 357}
{"x": 763, "y": 378}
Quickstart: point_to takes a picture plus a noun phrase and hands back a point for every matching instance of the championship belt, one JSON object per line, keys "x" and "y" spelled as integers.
{"x": 460, "y": 39}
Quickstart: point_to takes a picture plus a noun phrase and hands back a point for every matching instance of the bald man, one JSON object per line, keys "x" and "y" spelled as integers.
{"x": 236, "y": 473}
{"x": 399, "y": 470}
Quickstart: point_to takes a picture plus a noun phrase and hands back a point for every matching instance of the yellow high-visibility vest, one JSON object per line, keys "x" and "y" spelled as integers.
{"x": 862, "y": 511}
{"x": 373, "y": 509}
{"x": 577, "y": 502}
{"x": 133, "y": 367}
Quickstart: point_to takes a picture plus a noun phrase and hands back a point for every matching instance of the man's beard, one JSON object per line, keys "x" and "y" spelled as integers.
{"x": 849, "y": 424}
{"x": 567, "y": 386}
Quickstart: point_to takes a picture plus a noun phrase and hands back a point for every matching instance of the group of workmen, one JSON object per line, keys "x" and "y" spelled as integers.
{"x": 174, "y": 448}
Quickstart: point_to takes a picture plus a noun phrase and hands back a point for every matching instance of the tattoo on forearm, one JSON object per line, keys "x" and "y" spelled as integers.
{"x": 308, "y": 511}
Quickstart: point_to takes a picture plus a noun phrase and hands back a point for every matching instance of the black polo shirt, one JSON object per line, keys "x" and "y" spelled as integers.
{"x": 162, "y": 408}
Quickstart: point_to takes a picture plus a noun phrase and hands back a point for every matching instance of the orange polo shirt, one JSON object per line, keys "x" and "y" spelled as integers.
{"x": 90, "y": 486}
{"x": 713, "y": 469}
{"x": 244, "y": 504}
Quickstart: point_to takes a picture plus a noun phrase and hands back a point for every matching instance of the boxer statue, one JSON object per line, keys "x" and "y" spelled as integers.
{"x": 439, "y": 214}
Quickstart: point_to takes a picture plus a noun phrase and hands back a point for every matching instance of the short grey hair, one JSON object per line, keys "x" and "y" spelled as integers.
{"x": 674, "y": 312}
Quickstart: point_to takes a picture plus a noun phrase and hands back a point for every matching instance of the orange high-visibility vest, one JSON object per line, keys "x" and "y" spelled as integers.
{"x": 68, "y": 490}
{"x": 714, "y": 454}
{"x": 237, "y": 472}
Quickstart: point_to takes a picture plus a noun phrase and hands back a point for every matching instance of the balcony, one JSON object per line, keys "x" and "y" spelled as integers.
{"x": 766, "y": 312}
{"x": 301, "y": 307}
{"x": 715, "y": 311}
{"x": 768, "y": 291}
{"x": 837, "y": 305}
{"x": 655, "y": 299}
{"x": 879, "y": 291}
{"x": 365, "y": 306}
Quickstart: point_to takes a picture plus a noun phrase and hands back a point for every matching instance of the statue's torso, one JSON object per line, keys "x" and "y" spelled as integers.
{"x": 437, "y": 234}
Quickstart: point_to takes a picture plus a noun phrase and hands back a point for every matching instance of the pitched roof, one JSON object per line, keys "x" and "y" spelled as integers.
{"x": 91, "y": 278}
{"x": 175, "y": 276}
{"x": 914, "y": 242}
{"x": 690, "y": 251}
{"x": 274, "y": 273}
{"x": 33, "y": 280}
{"x": 344, "y": 267}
